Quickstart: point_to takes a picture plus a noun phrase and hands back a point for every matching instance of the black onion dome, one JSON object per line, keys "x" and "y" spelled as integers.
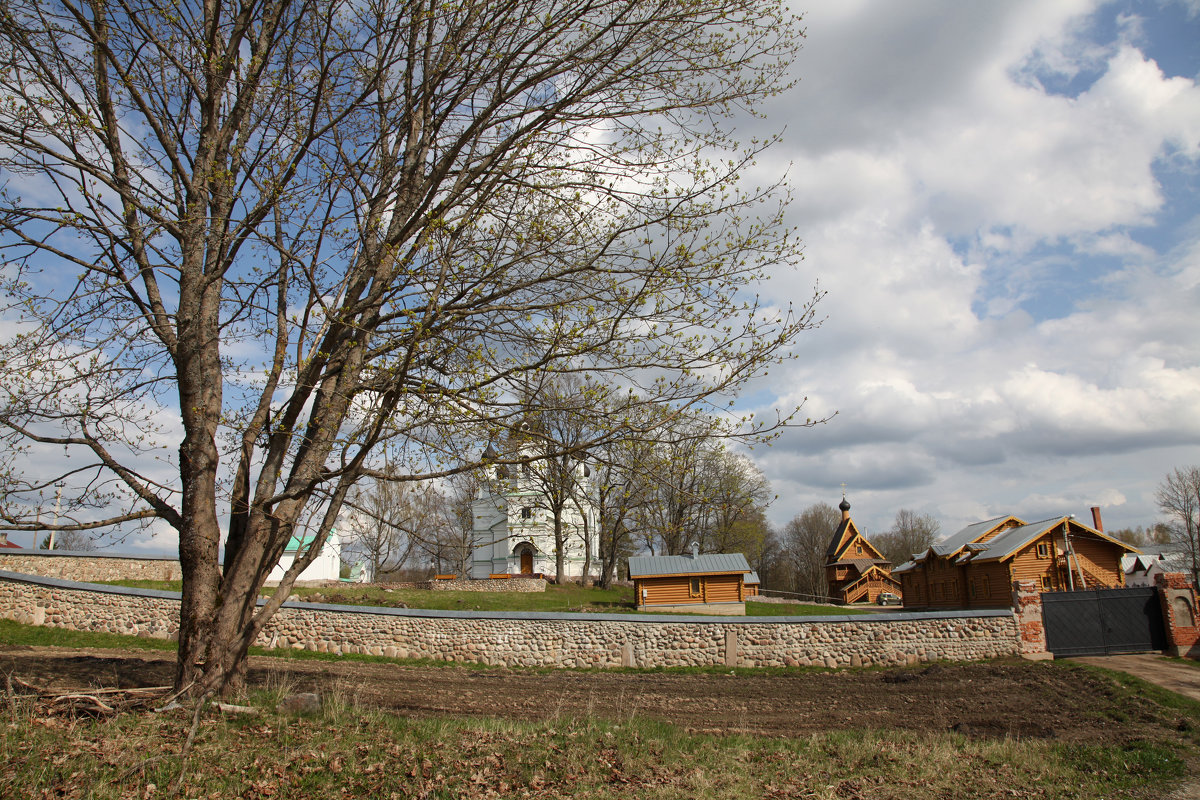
{"x": 844, "y": 505}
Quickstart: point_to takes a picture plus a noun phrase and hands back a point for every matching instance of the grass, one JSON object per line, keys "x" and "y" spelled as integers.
{"x": 15, "y": 633}
{"x": 568, "y": 597}
{"x": 356, "y": 751}
{"x": 1137, "y": 691}
{"x": 345, "y": 750}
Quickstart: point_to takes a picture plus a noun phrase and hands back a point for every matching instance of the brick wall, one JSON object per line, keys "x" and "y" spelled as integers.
{"x": 1027, "y": 607}
{"x": 1177, "y": 594}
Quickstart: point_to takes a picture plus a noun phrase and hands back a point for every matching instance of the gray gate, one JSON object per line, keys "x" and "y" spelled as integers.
{"x": 1098, "y": 622}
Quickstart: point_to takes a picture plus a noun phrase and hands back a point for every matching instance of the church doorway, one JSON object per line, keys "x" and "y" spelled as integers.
{"x": 525, "y": 552}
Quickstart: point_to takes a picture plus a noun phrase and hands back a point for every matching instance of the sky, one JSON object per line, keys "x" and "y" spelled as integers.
{"x": 1002, "y": 202}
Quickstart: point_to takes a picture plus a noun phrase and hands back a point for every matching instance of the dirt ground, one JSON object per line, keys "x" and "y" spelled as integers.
{"x": 997, "y": 699}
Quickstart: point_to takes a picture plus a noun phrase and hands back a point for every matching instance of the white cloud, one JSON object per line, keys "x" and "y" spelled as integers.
{"x": 1005, "y": 330}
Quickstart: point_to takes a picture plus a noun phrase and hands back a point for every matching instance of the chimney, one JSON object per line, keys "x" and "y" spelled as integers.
{"x": 1097, "y": 523}
{"x": 695, "y": 549}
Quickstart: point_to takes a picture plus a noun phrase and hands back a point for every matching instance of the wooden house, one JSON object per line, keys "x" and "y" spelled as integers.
{"x": 855, "y": 571}
{"x": 712, "y": 583}
{"x": 752, "y": 583}
{"x": 976, "y": 567}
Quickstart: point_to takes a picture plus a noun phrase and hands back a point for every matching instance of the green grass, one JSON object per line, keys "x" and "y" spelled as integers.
{"x": 1137, "y": 692}
{"x": 15, "y": 633}
{"x": 565, "y": 598}
{"x": 348, "y": 751}
{"x": 754, "y": 609}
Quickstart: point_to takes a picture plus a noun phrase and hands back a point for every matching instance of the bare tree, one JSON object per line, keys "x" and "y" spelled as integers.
{"x": 289, "y": 242}
{"x": 1137, "y": 536}
{"x": 1178, "y": 497}
{"x": 461, "y": 489}
{"x": 552, "y": 440}
{"x": 737, "y": 504}
{"x": 806, "y": 539}
{"x": 675, "y": 504}
{"x": 911, "y": 533}
{"x": 388, "y": 521}
{"x": 77, "y": 541}
{"x": 622, "y": 484}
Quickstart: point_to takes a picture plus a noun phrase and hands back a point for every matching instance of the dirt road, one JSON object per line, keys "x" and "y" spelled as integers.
{"x": 1167, "y": 673}
{"x": 998, "y": 699}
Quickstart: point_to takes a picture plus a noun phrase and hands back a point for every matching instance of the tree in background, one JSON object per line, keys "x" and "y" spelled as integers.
{"x": 551, "y": 445}
{"x": 737, "y": 502}
{"x": 622, "y": 485}
{"x": 69, "y": 540}
{"x": 1178, "y": 497}
{"x": 388, "y": 522}
{"x": 461, "y": 489}
{"x": 806, "y": 539}
{"x": 772, "y": 565}
{"x": 911, "y": 533}
{"x": 696, "y": 489}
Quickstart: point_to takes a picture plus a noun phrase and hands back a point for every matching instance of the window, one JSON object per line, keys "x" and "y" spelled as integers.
{"x": 1045, "y": 583}
{"x": 987, "y": 589}
{"x": 526, "y": 513}
{"x": 1043, "y": 550}
{"x": 858, "y": 549}
{"x": 974, "y": 592}
{"x": 694, "y": 587}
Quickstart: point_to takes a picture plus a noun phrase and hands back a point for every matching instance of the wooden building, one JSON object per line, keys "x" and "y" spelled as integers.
{"x": 713, "y": 583}
{"x": 855, "y": 571}
{"x": 976, "y": 567}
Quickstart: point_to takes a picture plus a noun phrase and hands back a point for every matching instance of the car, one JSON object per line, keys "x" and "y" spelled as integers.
{"x": 888, "y": 599}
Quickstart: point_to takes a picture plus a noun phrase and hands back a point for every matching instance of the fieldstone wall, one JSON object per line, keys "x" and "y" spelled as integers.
{"x": 543, "y": 639}
{"x": 489, "y": 585}
{"x": 76, "y": 566}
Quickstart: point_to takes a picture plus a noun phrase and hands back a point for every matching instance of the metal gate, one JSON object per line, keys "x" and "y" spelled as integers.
{"x": 1098, "y": 622}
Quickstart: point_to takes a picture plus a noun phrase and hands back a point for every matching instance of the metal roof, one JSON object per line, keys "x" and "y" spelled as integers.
{"x": 1013, "y": 539}
{"x": 645, "y": 566}
{"x": 959, "y": 540}
{"x": 752, "y": 578}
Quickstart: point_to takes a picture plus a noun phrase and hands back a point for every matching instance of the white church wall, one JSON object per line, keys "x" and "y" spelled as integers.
{"x": 326, "y": 566}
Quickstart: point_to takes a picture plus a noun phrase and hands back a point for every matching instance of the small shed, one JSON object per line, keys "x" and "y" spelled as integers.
{"x": 713, "y": 583}
{"x": 753, "y": 584}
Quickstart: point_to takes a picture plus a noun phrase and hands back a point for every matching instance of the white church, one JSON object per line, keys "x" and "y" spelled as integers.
{"x": 514, "y": 532}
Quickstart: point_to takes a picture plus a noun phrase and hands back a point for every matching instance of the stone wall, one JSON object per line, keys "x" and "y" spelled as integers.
{"x": 76, "y": 566}
{"x": 542, "y": 639}
{"x": 489, "y": 585}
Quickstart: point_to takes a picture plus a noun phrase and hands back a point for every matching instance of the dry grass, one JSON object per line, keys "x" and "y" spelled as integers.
{"x": 358, "y": 752}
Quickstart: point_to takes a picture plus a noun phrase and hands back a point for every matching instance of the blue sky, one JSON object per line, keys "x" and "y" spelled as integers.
{"x": 1001, "y": 200}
